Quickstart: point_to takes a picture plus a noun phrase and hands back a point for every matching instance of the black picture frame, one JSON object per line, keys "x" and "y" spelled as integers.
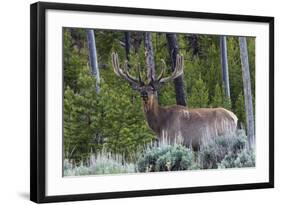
{"x": 38, "y": 101}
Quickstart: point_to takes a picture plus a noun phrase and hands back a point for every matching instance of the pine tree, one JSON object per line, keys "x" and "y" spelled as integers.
{"x": 199, "y": 97}
{"x": 227, "y": 103}
{"x": 80, "y": 109}
{"x": 235, "y": 72}
{"x": 218, "y": 98}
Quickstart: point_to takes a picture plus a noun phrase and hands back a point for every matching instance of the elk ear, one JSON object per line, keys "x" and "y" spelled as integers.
{"x": 155, "y": 85}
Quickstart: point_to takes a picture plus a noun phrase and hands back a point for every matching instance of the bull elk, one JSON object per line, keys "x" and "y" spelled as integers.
{"x": 176, "y": 123}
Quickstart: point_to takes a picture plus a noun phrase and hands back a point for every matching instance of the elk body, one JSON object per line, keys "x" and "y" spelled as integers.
{"x": 177, "y": 123}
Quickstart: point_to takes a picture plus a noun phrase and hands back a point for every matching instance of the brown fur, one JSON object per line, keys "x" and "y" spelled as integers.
{"x": 188, "y": 126}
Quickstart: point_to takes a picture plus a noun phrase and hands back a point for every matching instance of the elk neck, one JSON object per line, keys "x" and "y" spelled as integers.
{"x": 152, "y": 110}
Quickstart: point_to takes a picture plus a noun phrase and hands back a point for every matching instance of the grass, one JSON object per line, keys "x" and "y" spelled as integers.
{"x": 102, "y": 163}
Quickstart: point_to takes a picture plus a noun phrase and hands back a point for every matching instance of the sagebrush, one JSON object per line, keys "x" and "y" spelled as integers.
{"x": 222, "y": 152}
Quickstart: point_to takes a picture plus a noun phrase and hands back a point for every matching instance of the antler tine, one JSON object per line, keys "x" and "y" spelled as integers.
{"x": 163, "y": 68}
{"x": 179, "y": 66}
{"x": 115, "y": 63}
{"x": 119, "y": 72}
{"x": 139, "y": 73}
{"x": 178, "y": 70}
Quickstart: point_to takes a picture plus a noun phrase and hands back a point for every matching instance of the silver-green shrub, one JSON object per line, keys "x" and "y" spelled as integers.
{"x": 245, "y": 158}
{"x": 102, "y": 163}
{"x": 226, "y": 152}
{"x": 166, "y": 158}
{"x": 220, "y": 152}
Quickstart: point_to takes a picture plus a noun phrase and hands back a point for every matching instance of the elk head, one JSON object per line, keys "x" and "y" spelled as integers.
{"x": 149, "y": 88}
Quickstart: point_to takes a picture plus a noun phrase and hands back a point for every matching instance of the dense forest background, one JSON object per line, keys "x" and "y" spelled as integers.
{"x": 101, "y": 111}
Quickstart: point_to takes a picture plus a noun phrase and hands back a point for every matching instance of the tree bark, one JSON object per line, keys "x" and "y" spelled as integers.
{"x": 127, "y": 44}
{"x": 224, "y": 66}
{"x": 247, "y": 91}
{"x": 149, "y": 54}
{"x": 93, "y": 58}
{"x": 136, "y": 39}
{"x": 178, "y": 82}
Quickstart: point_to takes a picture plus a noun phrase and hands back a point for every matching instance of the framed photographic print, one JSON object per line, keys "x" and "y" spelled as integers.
{"x": 129, "y": 102}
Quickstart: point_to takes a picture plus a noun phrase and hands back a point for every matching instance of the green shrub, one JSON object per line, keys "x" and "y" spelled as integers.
{"x": 166, "y": 158}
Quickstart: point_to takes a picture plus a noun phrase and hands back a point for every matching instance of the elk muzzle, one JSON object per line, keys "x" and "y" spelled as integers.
{"x": 144, "y": 96}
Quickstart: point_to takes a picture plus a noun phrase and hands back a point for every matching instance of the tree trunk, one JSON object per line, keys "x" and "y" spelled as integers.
{"x": 149, "y": 54}
{"x": 127, "y": 44}
{"x": 93, "y": 57}
{"x": 136, "y": 39}
{"x": 247, "y": 91}
{"x": 178, "y": 82}
{"x": 224, "y": 66}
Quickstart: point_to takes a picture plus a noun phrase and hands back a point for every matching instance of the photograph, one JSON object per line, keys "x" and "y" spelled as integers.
{"x": 136, "y": 102}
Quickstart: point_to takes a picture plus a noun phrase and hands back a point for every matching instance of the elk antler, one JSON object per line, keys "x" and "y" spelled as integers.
{"x": 138, "y": 81}
{"x": 124, "y": 73}
{"x": 176, "y": 73}
{"x": 163, "y": 68}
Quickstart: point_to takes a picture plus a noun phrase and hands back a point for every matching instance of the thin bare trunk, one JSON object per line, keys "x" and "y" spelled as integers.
{"x": 247, "y": 91}
{"x": 93, "y": 57}
{"x": 178, "y": 82}
{"x": 224, "y": 65}
{"x": 149, "y": 54}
